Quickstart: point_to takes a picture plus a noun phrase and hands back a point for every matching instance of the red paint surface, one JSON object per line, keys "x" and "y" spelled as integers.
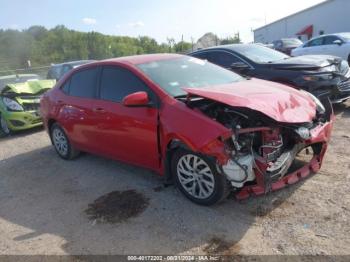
{"x": 141, "y": 135}
{"x": 279, "y": 102}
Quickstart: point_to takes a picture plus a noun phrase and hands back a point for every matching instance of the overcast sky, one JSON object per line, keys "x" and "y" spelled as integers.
{"x": 156, "y": 18}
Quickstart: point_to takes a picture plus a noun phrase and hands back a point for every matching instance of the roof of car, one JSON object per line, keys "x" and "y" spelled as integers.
{"x": 230, "y": 47}
{"x": 75, "y": 62}
{"x": 142, "y": 59}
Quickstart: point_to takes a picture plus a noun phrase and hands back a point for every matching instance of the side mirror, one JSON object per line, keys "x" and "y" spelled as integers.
{"x": 239, "y": 65}
{"x": 338, "y": 42}
{"x": 137, "y": 99}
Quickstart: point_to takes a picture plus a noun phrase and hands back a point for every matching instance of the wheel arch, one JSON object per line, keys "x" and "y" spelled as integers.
{"x": 172, "y": 145}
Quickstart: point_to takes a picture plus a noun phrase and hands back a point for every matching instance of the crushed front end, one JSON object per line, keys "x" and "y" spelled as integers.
{"x": 20, "y": 104}
{"x": 331, "y": 82}
{"x": 265, "y": 155}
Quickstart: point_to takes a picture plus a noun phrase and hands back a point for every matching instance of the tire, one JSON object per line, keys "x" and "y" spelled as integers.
{"x": 62, "y": 144}
{"x": 4, "y": 129}
{"x": 349, "y": 59}
{"x": 201, "y": 187}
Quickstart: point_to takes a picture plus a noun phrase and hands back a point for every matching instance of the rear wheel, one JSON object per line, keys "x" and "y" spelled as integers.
{"x": 62, "y": 144}
{"x": 4, "y": 129}
{"x": 197, "y": 178}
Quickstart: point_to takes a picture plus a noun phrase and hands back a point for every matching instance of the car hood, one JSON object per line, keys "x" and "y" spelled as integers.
{"x": 36, "y": 87}
{"x": 307, "y": 62}
{"x": 277, "y": 101}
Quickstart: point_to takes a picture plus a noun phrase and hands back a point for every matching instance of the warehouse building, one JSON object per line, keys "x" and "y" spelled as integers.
{"x": 331, "y": 16}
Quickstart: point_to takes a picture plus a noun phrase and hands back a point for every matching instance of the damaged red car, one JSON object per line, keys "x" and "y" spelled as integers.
{"x": 207, "y": 129}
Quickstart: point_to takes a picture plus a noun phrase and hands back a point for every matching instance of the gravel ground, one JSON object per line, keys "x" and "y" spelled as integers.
{"x": 45, "y": 202}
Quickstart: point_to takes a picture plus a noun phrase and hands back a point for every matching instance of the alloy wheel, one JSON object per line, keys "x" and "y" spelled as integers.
{"x": 195, "y": 176}
{"x": 60, "y": 141}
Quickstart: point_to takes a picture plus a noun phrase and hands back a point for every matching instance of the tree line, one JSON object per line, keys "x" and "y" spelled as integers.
{"x": 41, "y": 46}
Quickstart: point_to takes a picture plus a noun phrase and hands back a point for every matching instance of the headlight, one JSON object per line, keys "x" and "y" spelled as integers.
{"x": 12, "y": 104}
{"x": 303, "y": 132}
{"x": 344, "y": 67}
{"x": 321, "y": 77}
{"x": 319, "y": 106}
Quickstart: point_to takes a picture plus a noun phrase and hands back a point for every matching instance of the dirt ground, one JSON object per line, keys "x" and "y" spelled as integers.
{"x": 51, "y": 206}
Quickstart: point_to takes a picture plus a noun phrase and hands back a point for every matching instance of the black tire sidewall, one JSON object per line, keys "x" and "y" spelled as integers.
{"x": 2, "y": 132}
{"x": 220, "y": 186}
{"x": 69, "y": 151}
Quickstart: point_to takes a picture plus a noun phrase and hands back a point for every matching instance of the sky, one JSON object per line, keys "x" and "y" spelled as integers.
{"x": 160, "y": 19}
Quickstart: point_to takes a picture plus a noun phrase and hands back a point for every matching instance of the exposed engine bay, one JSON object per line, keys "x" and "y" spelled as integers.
{"x": 258, "y": 145}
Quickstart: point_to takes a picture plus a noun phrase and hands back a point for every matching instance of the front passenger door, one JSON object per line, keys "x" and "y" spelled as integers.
{"x": 126, "y": 133}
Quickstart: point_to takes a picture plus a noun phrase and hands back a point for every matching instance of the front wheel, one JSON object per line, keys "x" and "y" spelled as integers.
{"x": 62, "y": 144}
{"x": 197, "y": 178}
{"x": 4, "y": 129}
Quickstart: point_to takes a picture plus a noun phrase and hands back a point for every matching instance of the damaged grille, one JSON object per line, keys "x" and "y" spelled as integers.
{"x": 31, "y": 106}
{"x": 344, "y": 86}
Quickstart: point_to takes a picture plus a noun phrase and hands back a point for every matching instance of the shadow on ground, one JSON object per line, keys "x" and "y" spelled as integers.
{"x": 22, "y": 133}
{"x": 47, "y": 195}
{"x": 342, "y": 110}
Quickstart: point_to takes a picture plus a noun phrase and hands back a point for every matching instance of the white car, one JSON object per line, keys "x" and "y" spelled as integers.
{"x": 332, "y": 44}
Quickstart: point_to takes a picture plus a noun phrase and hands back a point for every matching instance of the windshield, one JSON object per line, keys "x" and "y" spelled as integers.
{"x": 19, "y": 79}
{"x": 174, "y": 74}
{"x": 259, "y": 54}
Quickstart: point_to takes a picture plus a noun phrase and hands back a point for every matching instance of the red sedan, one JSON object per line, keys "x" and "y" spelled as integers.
{"x": 205, "y": 128}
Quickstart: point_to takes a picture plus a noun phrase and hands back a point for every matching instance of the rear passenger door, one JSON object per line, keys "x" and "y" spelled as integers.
{"x": 77, "y": 115}
{"x": 126, "y": 133}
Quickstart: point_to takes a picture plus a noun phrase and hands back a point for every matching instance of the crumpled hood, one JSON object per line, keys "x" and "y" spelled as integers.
{"x": 307, "y": 62}
{"x": 29, "y": 87}
{"x": 277, "y": 101}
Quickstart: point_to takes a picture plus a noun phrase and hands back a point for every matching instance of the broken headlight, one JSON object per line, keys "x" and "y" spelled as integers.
{"x": 303, "y": 132}
{"x": 11, "y": 104}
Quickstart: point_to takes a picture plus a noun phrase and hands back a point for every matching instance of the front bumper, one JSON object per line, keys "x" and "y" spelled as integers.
{"x": 17, "y": 121}
{"x": 319, "y": 136}
{"x": 337, "y": 89}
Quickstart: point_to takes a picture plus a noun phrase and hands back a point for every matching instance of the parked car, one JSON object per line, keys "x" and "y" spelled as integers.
{"x": 56, "y": 71}
{"x": 20, "y": 100}
{"x": 209, "y": 129}
{"x": 332, "y": 44}
{"x": 324, "y": 76}
{"x": 286, "y": 45}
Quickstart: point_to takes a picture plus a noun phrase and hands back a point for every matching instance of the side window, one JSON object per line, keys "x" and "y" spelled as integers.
{"x": 202, "y": 56}
{"x": 118, "y": 82}
{"x": 278, "y": 44}
{"x": 328, "y": 40}
{"x": 83, "y": 83}
{"x": 315, "y": 42}
{"x": 222, "y": 58}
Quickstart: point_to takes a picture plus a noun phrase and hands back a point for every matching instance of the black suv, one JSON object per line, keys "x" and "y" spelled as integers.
{"x": 323, "y": 76}
{"x": 56, "y": 71}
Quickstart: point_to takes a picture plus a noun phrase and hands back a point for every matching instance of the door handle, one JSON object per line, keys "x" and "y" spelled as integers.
{"x": 99, "y": 110}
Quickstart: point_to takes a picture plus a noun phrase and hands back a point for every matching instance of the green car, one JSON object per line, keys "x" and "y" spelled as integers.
{"x": 20, "y": 101}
